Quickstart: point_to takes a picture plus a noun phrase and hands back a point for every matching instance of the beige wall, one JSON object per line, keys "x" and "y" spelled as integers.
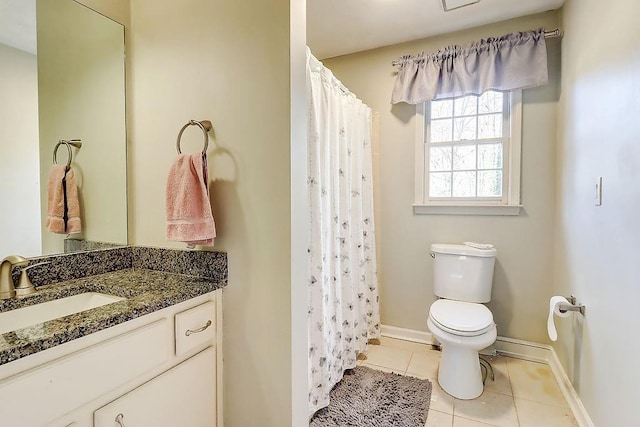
{"x": 19, "y": 166}
{"x": 524, "y": 266}
{"x": 598, "y": 246}
{"x": 227, "y": 62}
{"x": 118, "y": 10}
{"x": 299, "y": 217}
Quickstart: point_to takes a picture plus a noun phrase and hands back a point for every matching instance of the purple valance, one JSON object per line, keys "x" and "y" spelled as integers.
{"x": 513, "y": 61}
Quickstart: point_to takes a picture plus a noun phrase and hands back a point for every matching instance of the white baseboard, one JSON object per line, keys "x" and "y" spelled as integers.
{"x": 406, "y": 334}
{"x": 579, "y": 411}
{"x": 520, "y": 349}
{"x": 526, "y": 350}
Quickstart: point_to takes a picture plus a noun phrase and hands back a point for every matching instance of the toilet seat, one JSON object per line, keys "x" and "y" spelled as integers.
{"x": 461, "y": 318}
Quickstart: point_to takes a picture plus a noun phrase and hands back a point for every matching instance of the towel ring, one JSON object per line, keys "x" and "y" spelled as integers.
{"x": 205, "y": 125}
{"x": 75, "y": 142}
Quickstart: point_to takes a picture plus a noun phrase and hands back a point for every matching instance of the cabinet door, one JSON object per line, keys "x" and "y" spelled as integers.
{"x": 183, "y": 396}
{"x": 65, "y": 384}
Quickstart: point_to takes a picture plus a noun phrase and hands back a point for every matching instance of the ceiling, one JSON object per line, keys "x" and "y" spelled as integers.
{"x": 339, "y": 27}
{"x": 18, "y": 24}
{"x": 336, "y": 27}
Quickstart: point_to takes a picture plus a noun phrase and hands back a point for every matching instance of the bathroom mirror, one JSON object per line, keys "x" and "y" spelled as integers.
{"x": 72, "y": 86}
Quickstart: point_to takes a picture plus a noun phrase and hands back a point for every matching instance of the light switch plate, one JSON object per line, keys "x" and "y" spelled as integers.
{"x": 598, "y": 195}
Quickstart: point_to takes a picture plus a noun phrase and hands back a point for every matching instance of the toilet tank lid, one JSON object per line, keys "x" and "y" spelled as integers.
{"x": 444, "y": 248}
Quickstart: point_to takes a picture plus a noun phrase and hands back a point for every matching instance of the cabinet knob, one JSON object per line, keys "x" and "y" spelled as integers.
{"x": 195, "y": 331}
{"x": 119, "y": 420}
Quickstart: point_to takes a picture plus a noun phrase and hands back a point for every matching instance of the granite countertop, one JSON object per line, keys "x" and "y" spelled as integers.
{"x": 145, "y": 291}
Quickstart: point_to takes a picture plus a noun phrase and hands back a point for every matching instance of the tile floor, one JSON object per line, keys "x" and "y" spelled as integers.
{"x": 524, "y": 394}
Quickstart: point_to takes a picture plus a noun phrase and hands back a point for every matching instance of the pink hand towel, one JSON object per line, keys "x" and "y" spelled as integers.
{"x": 63, "y": 205}
{"x": 189, "y": 217}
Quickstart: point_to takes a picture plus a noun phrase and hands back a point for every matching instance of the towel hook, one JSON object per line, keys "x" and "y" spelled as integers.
{"x": 205, "y": 125}
{"x": 75, "y": 142}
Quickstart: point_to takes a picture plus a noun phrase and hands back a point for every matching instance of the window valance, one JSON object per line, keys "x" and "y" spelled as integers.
{"x": 513, "y": 61}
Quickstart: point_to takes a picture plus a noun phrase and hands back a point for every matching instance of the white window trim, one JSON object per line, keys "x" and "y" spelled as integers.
{"x": 510, "y": 206}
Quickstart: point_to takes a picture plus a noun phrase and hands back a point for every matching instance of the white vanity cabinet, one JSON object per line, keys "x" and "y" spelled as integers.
{"x": 161, "y": 369}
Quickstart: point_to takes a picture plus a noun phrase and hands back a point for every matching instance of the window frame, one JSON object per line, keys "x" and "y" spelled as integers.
{"x": 509, "y": 204}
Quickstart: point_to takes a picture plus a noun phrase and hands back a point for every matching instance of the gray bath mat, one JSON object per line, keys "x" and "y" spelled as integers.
{"x": 370, "y": 398}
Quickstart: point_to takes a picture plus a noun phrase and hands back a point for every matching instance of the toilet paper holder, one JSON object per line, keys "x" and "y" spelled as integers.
{"x": 572, "y": 306}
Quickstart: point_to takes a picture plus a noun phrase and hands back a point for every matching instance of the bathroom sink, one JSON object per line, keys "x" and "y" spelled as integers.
{"x": 43, "y": 312}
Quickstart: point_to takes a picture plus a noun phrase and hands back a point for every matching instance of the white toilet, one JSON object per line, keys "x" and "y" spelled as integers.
{"x": 462, "y": 278}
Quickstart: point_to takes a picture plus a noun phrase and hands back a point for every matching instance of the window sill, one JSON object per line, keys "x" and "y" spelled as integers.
{"x": 442, "y": 209}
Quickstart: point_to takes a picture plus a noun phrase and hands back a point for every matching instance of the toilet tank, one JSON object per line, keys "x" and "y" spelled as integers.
{"x": 463, "y": 273}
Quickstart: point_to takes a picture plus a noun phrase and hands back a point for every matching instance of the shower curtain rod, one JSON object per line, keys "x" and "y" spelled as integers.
{"x": 553, "y": 33}
{"x": 547, "y": 35}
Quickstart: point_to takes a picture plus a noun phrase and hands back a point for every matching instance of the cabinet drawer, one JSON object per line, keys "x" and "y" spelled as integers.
{"x": 184, "y": 396}
{"x": 195, "y": 328}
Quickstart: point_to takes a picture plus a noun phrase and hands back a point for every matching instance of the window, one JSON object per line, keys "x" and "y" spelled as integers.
{"x": 468, "y": 155}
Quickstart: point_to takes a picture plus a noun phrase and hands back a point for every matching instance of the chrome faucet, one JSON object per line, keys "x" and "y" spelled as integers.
{"x": 7, "y": 288}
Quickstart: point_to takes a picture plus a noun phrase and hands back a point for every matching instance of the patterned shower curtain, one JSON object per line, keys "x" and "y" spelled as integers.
{"x": 343, "y": 288}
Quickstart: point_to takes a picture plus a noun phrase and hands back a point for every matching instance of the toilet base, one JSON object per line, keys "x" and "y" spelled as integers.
{"x": 459, "y": 372}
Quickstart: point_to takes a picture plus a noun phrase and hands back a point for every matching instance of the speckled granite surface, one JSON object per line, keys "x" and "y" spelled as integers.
{"x": 79, "y": 245}
{"x": 193, "y": 263}
{"x": 146, "y": 291}
{"x": 60, "y": 268}
{"x": 212, "y": 265}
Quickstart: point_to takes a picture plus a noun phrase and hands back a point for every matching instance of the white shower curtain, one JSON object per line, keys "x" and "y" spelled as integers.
{"x": 343, "y": 288}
